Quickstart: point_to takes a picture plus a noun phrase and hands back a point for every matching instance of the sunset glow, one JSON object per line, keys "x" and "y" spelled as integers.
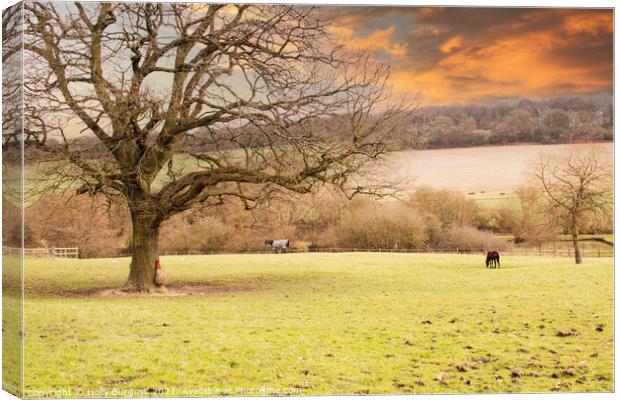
{"x": 457, "y": 55}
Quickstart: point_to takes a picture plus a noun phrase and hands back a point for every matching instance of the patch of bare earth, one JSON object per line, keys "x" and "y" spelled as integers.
{"x": 174, "y": 290}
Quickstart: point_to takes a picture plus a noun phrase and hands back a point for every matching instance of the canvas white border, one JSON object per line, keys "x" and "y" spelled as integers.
{"x": 472, "y": 3}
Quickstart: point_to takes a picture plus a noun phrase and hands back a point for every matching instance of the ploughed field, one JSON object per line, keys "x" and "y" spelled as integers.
{"x": 320, "y": 324}
{"x": 483, "y": 173}
{"x": 487, "y": 174}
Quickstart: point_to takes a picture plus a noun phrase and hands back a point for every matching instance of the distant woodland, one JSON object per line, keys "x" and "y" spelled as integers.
{"x": 569, "y": 119}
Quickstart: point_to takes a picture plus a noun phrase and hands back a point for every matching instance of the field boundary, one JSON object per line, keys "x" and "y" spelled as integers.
{"x": 42, "y": 252}
{"x": 514, "y": 252}
{"x": 73, "y": 252}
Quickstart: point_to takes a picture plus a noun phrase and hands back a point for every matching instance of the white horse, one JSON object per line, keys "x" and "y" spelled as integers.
{"x": 282, "y": 245}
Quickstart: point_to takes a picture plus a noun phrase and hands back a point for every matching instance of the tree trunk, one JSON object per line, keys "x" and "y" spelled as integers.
{"x": 576, "y": 247}
{"x": 143, "y": 252}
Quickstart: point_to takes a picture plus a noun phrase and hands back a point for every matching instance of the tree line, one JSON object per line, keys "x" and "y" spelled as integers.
{"x": 570, "y": 119}
{"x": 428, "y": 219}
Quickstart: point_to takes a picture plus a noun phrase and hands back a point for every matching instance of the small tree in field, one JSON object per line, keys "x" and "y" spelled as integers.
{"x": 528, "y": 217}
{"x": 576, "y": 187}
{"x": 271, "y": 102}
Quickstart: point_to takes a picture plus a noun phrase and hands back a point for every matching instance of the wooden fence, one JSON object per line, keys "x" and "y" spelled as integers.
{"x": 42, "y": 252}
{"x": 510, "y": 252}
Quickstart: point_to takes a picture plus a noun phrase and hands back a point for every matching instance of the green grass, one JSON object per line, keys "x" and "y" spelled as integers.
{"x": 494, "y": 199}
{"x": 321, "y": 324}
{"x": 606, "y": 236}
{"x": 11, "y": 325}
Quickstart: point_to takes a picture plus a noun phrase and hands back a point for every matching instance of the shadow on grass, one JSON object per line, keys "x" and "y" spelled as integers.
{"x": 188, "y": 287}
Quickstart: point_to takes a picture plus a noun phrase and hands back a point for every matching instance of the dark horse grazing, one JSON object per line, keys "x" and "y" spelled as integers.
{"x": 492, "y": 259}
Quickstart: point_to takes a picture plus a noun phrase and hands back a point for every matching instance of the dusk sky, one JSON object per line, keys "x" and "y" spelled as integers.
{"x": 457, "y": 55}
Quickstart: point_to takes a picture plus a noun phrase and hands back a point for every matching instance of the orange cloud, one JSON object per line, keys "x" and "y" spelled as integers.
{"x": 535, "y": 53}
{"x": 517, "y": 66}
{"x": 379, "y": 40}
{"x": 525, "y": 64}
{"x": 590, "y": 24}
{"x": 453, "y": 43}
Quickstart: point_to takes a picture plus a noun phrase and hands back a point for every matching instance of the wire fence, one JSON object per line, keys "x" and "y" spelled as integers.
{"x": 509, "y": 252}
{"x": 73, "y": 252}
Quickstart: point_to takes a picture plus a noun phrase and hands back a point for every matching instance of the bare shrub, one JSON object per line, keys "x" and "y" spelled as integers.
{"x": 204, "y": 234}
{"x": 490, "y": 219}
{"x": 434, "y": 230}
{"x": 470, "y": 238}
{"x": 99, "y": 230}
{"x": 384, "y": 226}
{"x": 452, "y": 208}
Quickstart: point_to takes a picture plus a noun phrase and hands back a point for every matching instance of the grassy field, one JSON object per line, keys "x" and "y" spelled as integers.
{"x": 11, "y": 325}
{"x": 321, "y": 324}
{"x": 593, "y": 245}
{"x": 494, "y": 198}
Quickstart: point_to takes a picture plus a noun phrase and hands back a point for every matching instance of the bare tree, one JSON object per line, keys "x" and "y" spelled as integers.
{"x": 12, "y": 68}
{"x": 576, "y": 186}
{"x": 194, "y": 104}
